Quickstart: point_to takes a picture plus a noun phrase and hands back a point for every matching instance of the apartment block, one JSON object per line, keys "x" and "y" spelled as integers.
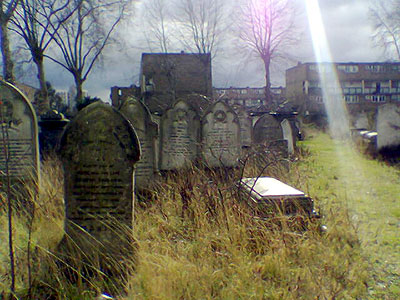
{"x": 364, "y": 86}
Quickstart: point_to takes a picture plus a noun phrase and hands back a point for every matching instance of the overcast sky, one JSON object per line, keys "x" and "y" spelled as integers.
{"x": 348, "y": 32}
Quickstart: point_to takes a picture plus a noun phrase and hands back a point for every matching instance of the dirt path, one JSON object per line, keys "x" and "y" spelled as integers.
{"x": 371, "y": 191}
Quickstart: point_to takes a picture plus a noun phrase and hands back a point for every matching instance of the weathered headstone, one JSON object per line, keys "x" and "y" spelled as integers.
{"x": 147, "y": 130}
{"x": 288, "y": 135}
{"x": 388, "y": 126}
{"x": 267, "y": 128}
{"x": 246, "y": 125}
{"x": 19, "y": 153}
{"x": 180, "y": 127}
{"x": 220, "y": 136}
{"x": 99, "y": 149}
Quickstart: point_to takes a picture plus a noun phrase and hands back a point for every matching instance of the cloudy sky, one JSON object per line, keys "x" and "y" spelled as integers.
{"x": 347, "y": 27}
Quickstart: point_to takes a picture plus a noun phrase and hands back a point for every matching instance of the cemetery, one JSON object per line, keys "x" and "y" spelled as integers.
{"x": 196, "y": 170}
{"x": 176, "y": 189}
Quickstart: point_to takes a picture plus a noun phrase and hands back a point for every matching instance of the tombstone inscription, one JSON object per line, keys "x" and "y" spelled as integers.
{"x": 19, "y": 151}
{"x": 180, "y": 127}
{"x": 220, "y": 136}
{"x": 99, "y": 149}
{"x": 147, "y": 130}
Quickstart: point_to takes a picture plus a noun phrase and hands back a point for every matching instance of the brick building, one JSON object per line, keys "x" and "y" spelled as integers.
{"x": 119, "y": 94}
{"x": 164, "y": 77}
{"x": 250, "y": 98}
{"x": 364, "y": 86}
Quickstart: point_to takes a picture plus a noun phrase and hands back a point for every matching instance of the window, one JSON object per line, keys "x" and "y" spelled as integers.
{"x": 396, "y": 97}
{"x": 353, "y": 90}
{"x": 375, "y": 68}
{"x": 348, "y": 68}
{"x": 376, "y": 98}
{"x": 243, "y": 92}
{"x": 313, "y": 67}
{"x": 351, "y": 98}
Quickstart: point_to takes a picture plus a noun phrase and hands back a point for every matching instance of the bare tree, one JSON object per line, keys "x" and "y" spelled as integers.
{"x": 36, "y": 22}
{"x": 267, "y": 29}
{"x": 202, "y": 23}
{"x": 385, "y": 16}
{"x": 7, "y": 9}
{"x": 82, "y": 38}
{"x": 158, "y": 19}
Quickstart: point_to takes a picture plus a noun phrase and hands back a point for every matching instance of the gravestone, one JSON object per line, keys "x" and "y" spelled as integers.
{"x": 288, "y": 135}
{"x": 19, "y": 138}
{"x": 180, "y": 127}
{"x": 246, "y": 125}
{"x": 99, "y": 149}
{"x": 220, "y": 136}
{"x": 147, "y": 130}
{"x": 267, "y": 129}
{"x": 388, "y": 126}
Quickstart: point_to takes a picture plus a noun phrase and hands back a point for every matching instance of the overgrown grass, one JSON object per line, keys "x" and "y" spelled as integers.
{"x": 336, "y": 174}
{"x": 197, "y": 240}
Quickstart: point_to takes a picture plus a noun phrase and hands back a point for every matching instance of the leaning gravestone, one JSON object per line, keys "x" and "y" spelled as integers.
{"x": 220, "y": 136}
{"x": 388, "y": 126}
{"x": 288, "y": 135}
{"x": 147, "y": 130}
{"x": 99, "y": 149}
{"x": 267, "y": 129}
{"x": 246, "y": 125}
{"x": 18, "y": 139}
{"x": 180, "y": 127}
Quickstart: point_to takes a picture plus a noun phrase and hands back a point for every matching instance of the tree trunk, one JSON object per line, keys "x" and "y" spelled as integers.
{"x": 79, "y": 87}
{"x": 268, "y": 97}
{"x": 8, "y": 65}
{"x": 43, "y": 100}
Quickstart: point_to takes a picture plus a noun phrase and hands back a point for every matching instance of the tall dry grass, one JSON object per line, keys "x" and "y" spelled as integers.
{"x": 197, "y": 240}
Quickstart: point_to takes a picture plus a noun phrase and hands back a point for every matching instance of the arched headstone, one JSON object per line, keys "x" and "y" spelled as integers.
{"x": 267, "y": 129}
{"x": 180, "y": 127}
{"x": 18, "y": 137}
{"x": 147, "y": 130}
{"x": 220, "y": 136}
{"x": 288, "y": 135}
{"x": 99, "y": 150}
{"x": 246, "y": 125}
{"x": 388, "y": 126}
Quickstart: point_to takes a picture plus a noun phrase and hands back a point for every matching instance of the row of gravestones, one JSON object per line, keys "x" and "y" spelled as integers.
{"x": 181, "y": 136}
{"x": 100, "y": 150}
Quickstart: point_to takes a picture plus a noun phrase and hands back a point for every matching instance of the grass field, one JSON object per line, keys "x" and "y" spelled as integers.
{"x": 370, "y": 189}
{"x": 196, "y": 240}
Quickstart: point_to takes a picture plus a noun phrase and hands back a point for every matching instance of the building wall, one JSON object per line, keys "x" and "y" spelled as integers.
{"x": 365, "y": 86}
{"x": 165, "y": 77}
{"x": 248, "y": 97}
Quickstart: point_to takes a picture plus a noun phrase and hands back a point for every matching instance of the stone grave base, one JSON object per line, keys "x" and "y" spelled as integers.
{"x": 108, "y": 263}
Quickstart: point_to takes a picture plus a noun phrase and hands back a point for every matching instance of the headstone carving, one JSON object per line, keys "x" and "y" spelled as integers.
{"x": 288, "y": 135}
{"x": 18, "y": 136}
{"x": 388, "y": 126}
{"x": 99, "y": 149}
{"x": 180, "y": 127}
{"x": 267, "y": 129}
{"x": 220, "y": 136}
{"x": 246, "y": 126}
{"x": 147, "y": 130}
